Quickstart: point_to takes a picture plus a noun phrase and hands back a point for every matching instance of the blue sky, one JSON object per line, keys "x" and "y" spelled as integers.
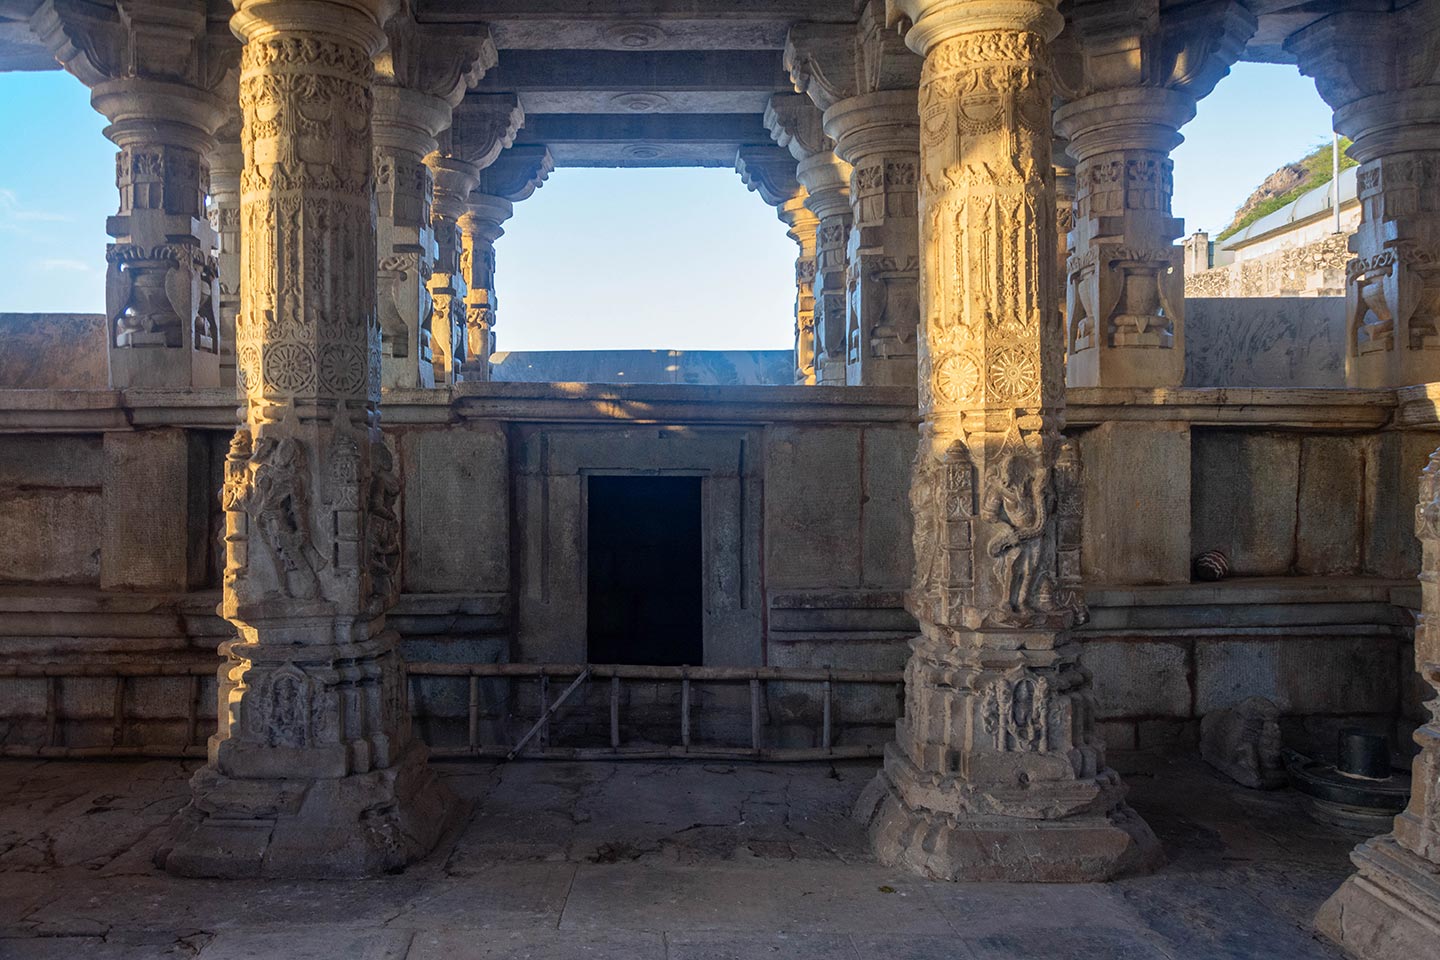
{"x": 679, "y": 259}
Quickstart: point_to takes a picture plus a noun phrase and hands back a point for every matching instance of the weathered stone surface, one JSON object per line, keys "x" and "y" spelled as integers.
{"x": 1265, "y": 342}
{"x": 816, "y": 474}
{"x": 51, "y": 536}
{"x": 1303, "y": 675}
{"x": 1245, "y": 487}
{"x": 1137, "y": 503}
{"x": 1330, "y": 505}
{"x": 1138, "y": 679}
{"x": 142, "y": 548}
{"x": 457, "y": 509}
{"x": 54, "y": 351}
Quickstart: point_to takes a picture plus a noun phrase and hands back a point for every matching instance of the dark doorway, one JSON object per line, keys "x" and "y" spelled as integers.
{"x": 644, "y": 580}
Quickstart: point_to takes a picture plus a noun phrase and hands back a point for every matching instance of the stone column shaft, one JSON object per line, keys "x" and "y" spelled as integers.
{"x": 406, "y": 124}
{"x": 803, "y": 225}
{"x": 827, "y": 182}
{"x": 313, "y": 770}
{"x": 454, "y": 179}
{"x": 996, "y": 773}
{"x": 878, "y": 134}
{"x": 514, "y": 175}
{"x": 226, "y": 165}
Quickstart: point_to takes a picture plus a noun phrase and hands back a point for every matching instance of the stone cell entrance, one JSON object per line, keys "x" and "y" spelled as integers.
{"x": 644, "y": 570}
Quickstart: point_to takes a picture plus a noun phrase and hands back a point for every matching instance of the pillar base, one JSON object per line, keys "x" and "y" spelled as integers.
{"x": 355, "y": 826}
{"x": 1082, "y": 848}
{"x": 1390, "y": 909}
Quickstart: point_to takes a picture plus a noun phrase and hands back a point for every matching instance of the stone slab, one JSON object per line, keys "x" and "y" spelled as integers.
{"x": 1138, "y": 678}
{"x": 1137, "y": 503}
{"x": 1336, "y": 675}
{"x": 812, "y": 496}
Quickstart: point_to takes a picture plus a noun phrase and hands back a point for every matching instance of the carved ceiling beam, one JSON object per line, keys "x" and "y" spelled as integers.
{"x": 1131, "y": 72}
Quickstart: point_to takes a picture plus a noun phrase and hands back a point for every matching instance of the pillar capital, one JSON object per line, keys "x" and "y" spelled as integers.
{"x": 483, "y": 125}
{"x": 353, "y": 23}
{"x": 874, "y": 123}
{"x": 768, "y": 171}
{"x": 929, "y": 23}
{"x": 834, "y": 62}
{"x": 796, "y": 123}
{"x": 516, "y": 173}
{"x": 440, "y": 60}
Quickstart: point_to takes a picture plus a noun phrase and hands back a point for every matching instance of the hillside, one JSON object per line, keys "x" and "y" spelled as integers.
{"x": 1286, "y": 185}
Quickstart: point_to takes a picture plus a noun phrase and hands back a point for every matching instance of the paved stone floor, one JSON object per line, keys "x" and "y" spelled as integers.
{"x": 559, "y": 861}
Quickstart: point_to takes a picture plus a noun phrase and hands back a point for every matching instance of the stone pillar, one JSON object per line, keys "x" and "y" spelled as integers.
{"x": 516, "y": 174}
{"x": 796, "y": 123}
{"x": 1391, "y": 907}
{"x": 864, "y": 79}
{"x": 770, "y": 172}
{"x": 1135, "y": 75}
{"x": 482, "y": 127}
{"x": 802, "y": 225}
{"x": 313, "y": 770}
{"x": 421, "y": 76}
{"x": 1064, "y": 167}
{"x": 997, "y": 773}
{"x": 226, "y": 164}
{"x": 152, "y": 68}
{"x": 1378, "y": 71}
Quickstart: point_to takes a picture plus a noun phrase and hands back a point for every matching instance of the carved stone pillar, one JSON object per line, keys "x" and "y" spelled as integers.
{"x": 770, "y": 172}
{"x": 516, "y": 174}
{"x": 1391, "y": 907}
{"x": 1379, "y": 72}
{"x": 1064, "y": 167}
{"x": 997, "y": 773}
{"x": 421, "y": 76}
{"x": 803, "y": 224}
{"x": 226, "y": 164}
{"x": 482, "y": 127}
{"x": 152, "y": 68}
{"x": 1135, "y": 75}
{"x": 313, "y": 770}
{"x": 796, "y": 124}
{"x": 865, "y": 82}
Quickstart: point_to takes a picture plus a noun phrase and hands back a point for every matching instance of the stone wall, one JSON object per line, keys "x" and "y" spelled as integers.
{"x": 1305, "y": 270}
{"x": 1264, "y": 341}
{"x": 52, "y": 351}
{"x": 807, "y": 552}
{"x": 731, "y": 367}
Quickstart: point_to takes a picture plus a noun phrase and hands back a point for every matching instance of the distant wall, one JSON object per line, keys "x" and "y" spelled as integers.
{"x": 1315, "y": 269}
{"x": 58, "y": 351}
{"x": 1264, "y": 342}
{"x": 725, "y": 367}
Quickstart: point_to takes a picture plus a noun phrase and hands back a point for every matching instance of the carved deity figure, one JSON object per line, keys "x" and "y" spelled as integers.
{"x": 1019, "y": 498}
{"x": 279, "y": 507}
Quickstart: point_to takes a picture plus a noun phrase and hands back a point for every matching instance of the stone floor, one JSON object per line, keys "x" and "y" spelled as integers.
{"x": 651, "y": 860}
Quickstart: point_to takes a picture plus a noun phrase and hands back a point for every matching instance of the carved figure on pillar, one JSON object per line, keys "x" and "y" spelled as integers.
{"x": 1379, "y": 73}
{"x": 153, "y": 69}
{"x": 422, "y": 74}
{"x": 796, "y": 123}
{"x": 770, "y": 172}
{"x": 996, "y": 772}
{"x": 483, "y": 126}
{"x": 1132, "y": 73}
{"x": 514, "y": 176}
{"x": 312, "y": 770}
{"x": 864, "y": 78}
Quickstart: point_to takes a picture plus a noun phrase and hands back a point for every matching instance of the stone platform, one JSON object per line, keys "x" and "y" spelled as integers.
{"x": 652, "y": 860}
